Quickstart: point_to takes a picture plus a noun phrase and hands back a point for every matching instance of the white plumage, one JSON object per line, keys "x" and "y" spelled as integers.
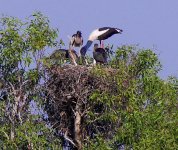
{"x": 95, "y": 34}
{"x": 99, "y": 34}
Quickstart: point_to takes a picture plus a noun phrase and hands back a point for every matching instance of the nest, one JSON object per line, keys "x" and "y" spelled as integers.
{"x": 68, "y": 89}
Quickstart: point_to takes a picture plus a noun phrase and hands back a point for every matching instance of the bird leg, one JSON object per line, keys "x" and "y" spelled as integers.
{"x": 73, "y": 57}
{"x": 94, "y": 62}
{"x": 101, "y": 44}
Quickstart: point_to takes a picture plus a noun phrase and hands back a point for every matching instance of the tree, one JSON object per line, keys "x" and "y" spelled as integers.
{"x": 124, "y": 104}
{"x": 22, "y": 46}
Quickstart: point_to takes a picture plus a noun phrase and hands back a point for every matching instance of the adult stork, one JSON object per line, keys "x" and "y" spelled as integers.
{"x": 99, "y": 34}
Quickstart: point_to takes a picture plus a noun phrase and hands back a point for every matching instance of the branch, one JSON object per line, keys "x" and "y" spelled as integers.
{"x": 6, "y": 135}
{"x": 13, "y": 89}
{"x": 68, "y": 139}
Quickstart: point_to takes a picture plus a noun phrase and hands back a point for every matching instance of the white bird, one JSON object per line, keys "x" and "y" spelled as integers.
{"x": 99, "y": 34}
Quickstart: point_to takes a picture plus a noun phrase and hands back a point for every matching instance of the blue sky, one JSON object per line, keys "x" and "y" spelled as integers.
{"x": 151, "y": 24}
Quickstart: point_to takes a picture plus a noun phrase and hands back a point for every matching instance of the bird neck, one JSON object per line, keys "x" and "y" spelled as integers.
{"x": 89, "y": 43}
{"x": 95, "y": 49}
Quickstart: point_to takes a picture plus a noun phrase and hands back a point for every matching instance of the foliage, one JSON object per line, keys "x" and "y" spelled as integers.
{"x": 124, "y": 105}
{"x": 32, "y": 134}
{"x": 22, "y": 45}
{"x": 127, "y": 105}
{"x": 142, "y": 115}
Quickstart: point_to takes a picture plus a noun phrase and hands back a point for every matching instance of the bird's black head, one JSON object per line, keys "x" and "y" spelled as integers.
{"x": 95, "y": 46}
{"x": 79, "y": 33}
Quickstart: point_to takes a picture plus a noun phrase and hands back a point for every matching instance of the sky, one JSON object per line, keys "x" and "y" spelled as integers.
{"x": 152, "y": 24}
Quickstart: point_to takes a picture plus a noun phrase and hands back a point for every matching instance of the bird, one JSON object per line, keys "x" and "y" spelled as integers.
{"x": 63, "y": 54}
{"x": 58, "y": 53}
{"x": 76, "y": 40}
{"x": 99, "y": 34}
{"x": 99, "y": 55}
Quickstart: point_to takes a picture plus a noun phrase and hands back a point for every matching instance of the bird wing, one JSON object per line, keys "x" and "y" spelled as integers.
{"x": 109, "y": 33}
{"x": 119, "y": 30}
{"x": 96, "y": 33}
{"x": 100, "y": 55}
{"x": 104, "y": 28}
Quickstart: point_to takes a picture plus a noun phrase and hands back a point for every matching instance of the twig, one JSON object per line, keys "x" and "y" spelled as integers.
{"x": 68, "y": 139}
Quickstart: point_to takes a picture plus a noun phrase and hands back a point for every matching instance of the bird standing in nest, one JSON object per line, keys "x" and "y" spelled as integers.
{"x": 75, "y": 41}
{"x": 99, "y": 55}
